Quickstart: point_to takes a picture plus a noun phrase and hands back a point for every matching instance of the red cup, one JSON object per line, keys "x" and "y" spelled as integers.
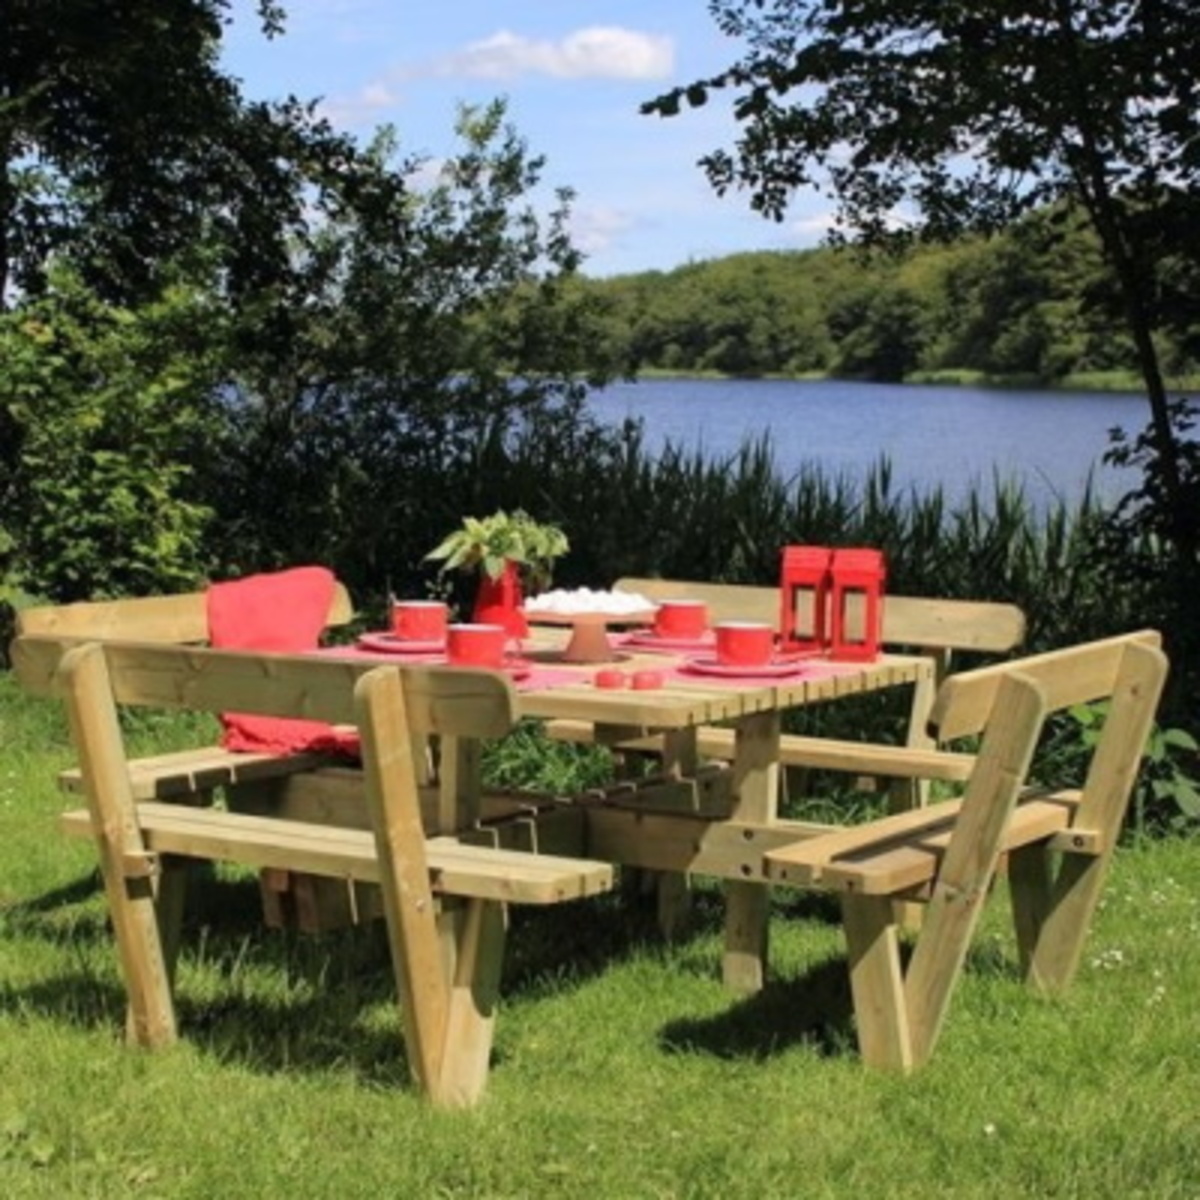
{"x": 610, "y": 678}
{"x": 744, "y": 643}
{"x": 420, "y": 620}
{"x": 681, "y": 619}
{"x": 476, "y": 645}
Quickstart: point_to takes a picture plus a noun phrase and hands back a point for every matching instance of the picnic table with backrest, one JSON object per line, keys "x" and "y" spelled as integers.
{"x": 690, "y": 817}
{"x": 443, "y": 897}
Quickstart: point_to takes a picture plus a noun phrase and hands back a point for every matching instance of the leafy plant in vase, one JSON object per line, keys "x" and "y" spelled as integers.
{"x": 514, "y": 554}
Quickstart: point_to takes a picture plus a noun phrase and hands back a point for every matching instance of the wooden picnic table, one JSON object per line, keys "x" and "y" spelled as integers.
{"x": 725, "y": 814}
{"x": 444, "y": 895}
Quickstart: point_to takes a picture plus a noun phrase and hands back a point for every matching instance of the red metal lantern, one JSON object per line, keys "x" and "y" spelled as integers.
{"x": 856, "y": 604}
{"x": 804, "y": 598}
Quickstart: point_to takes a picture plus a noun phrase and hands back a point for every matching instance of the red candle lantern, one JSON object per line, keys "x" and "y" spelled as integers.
{"x": 856, "y": 604}
{"x": 804, "y": 598}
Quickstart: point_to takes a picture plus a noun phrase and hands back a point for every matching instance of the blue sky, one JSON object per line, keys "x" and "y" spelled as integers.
{"x": 573, "y": 74}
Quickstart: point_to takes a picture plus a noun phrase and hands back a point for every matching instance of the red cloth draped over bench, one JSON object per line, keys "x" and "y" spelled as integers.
{"x": 280, "y": 612}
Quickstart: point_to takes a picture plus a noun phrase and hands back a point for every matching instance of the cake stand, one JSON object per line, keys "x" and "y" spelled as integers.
{"x": 589, "y": 632}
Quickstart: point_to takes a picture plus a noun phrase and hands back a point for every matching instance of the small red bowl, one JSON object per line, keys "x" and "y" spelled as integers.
{"x": 644, "y": 681}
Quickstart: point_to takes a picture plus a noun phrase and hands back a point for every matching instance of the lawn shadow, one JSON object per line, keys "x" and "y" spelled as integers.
{"x": 76, "y": 891}
{"x": 281, "y": 1001}
{"x": 813, "y": 1009}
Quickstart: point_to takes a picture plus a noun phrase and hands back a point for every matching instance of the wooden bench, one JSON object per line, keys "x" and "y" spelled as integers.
{"x": 170, "y": 620}
{"x": 443, "y": 898}
{"x": 1059, "y": 842}
{"x": 196, "y": 772}
{"x": 934, "y": 627}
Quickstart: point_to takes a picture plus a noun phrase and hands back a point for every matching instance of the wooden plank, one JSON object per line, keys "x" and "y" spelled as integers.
{"x": 460, "y": 783}
{"x": 969, "y": 863}
{"x": 865, "y": 758}
{"x": 478, "y": 931}
{"x": 675, "y": 707}
{"x": 440, "y": 700}
{"x": 698, "y": 845}
{"x": 200, "y": 769}
{"x": 796, "y": 750}
{"x": 457, "y": 868}
{"x": 172, "y": 619}
{"x": 907, "y": 620}
{"x": 1056, "y": 940}
{"x": 145, "y": 965}
{"x": 1073, "y": 675}
{"x": 391, "y": 791}
{"x": 902, "y": 849}
{"x": 755, "y": 788}
{"x": 908, "y": 865}
{"x": 876, "y": 982}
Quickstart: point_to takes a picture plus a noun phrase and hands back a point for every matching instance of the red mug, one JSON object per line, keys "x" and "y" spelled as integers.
{"x": 681, "y": 619}
{"x": 744, "y": 643}
{"x": 420, "y": 620}
{"x": 476, "y": 645}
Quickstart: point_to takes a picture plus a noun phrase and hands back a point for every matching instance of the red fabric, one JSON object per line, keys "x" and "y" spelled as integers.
{"x": 284, "y": 613}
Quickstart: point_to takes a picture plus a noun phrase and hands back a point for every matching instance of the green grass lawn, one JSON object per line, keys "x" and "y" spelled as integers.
{"x": 622, "y": 1066}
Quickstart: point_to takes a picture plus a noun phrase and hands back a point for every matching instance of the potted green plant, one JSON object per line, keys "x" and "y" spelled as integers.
{"x": 514, "y": 553}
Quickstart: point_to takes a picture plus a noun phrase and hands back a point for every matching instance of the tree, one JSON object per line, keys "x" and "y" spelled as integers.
{"x": 958, "y": 115}
{"x": 123, "y": 146}
{"x": 106, "y": 408}
{"x": 379, "y": 386}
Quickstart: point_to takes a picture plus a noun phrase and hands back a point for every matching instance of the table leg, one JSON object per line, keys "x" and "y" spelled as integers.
{"x": 755, "y": 787}
{"x": 459, "y": 783}
{"x": 680, "y": 759}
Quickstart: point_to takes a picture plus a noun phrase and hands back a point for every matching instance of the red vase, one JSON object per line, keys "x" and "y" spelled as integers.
{"x": 498, "y": 602}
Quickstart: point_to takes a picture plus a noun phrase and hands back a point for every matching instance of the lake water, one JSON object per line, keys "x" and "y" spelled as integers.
{"x": 958, "y": 437}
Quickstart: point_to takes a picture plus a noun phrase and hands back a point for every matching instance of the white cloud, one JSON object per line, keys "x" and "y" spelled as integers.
{"x": 362, "y": 107}
{"x": 594, "y": 228}
{"x": 599, "y": 52}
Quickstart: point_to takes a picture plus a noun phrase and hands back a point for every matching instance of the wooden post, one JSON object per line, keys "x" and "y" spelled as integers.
{"x": 391, "y": 792}
{"x": 876, "y": 981}
{"x": 128, "y": 869}
{"x": 970, "y": 860}
{"x": 755, "y": 786}
{"x": 680, "y": 761}
{"x": 1053, "y": 925}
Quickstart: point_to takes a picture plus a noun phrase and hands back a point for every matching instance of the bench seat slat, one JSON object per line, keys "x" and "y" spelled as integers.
{"x": 484, "y": 872}
{"x": 181, "y": 772}
{"x": 796, "y": 750}
{"x": 883, "y": 857}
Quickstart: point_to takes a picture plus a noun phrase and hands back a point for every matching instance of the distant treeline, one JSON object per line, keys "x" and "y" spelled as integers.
{"x": 1033, "y": 303}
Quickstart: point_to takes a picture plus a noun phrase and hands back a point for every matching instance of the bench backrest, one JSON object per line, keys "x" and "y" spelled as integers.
{"x": 1073, "y": 675}
{"x": 1055, "y": 879}
{"x": 1128, "y": 672}
{"x": 445, "y": 702}
{"x": 179, "y": 619}
{"x": 907, "y": 620}
{"x": 389, "y": 705}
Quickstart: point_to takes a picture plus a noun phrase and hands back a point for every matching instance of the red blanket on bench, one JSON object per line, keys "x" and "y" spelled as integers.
{"x": 281, "y": 612}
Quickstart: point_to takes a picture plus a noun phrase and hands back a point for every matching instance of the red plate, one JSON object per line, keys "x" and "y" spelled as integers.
{"x": 652, "y": 641}
{"x": 780, "y": 666}
{"x": 390, "y": 643}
